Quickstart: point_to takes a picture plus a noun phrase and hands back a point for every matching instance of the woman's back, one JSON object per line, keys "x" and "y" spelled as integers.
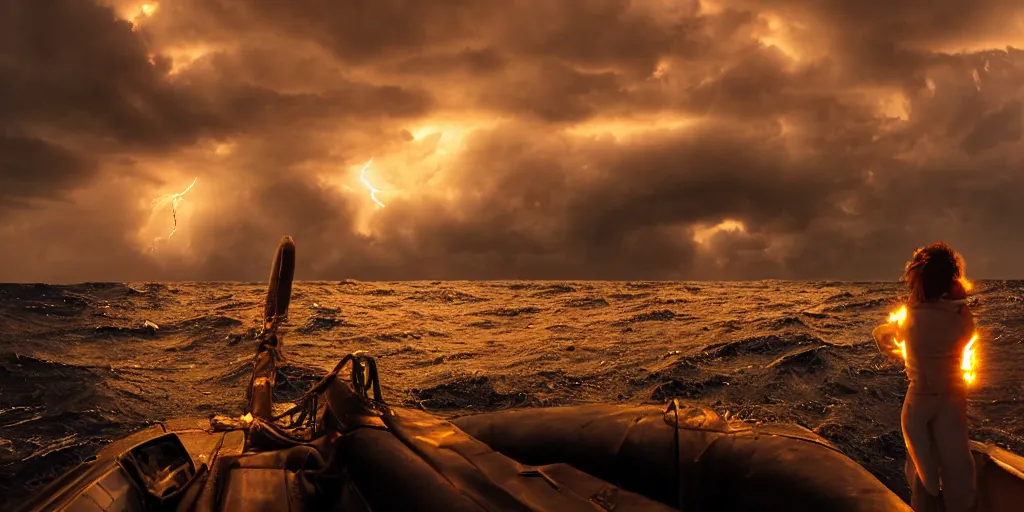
{"x": 936, "y": 333}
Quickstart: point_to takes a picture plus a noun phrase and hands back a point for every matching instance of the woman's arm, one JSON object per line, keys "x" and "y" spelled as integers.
{"x": 885, "y": 339}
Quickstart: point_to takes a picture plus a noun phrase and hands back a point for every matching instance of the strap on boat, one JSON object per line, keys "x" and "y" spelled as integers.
{"x": 673, "y": 407}
{"x": 365, "y": 378}
{"x": 365, "y": 381}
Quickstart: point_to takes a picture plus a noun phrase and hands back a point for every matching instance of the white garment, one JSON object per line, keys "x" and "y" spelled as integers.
{"x": 934, "y": 413}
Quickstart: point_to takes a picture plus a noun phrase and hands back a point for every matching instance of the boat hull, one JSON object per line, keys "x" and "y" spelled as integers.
{"x": 611, "y": 457}
{"x": 705, "y": 463}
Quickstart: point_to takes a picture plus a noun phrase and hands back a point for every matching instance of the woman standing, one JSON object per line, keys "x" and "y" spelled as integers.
{"x": 937, "y": 327}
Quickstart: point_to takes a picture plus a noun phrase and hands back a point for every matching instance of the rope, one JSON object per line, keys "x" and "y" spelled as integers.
{"x": 676, "y": 464}
{"x": 365, "y": 380}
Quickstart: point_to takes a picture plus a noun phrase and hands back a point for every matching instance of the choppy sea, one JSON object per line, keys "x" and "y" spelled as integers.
{"x": 79, "y": 366}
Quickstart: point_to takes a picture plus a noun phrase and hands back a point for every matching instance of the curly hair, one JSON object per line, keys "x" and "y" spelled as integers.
{"x": 934, "y": 272}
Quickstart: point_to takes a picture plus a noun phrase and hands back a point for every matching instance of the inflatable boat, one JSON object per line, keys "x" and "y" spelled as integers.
{"x": 342, "y": 447}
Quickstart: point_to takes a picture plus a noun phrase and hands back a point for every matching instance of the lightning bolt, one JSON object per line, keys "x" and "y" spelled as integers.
{"x": 373, "y": 191}
{"x": 173, "y": 200}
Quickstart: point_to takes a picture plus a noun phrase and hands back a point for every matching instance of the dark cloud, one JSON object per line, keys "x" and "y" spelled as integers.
{"x": 87, "y": 236}
{"x": 473, "y": 61}
{"x": 596, "y": 33}
{"x": 603, "y": 33}
{"x": 524, "y": 139}
{"x": 361, "y": 30}
{"x": 720, "y": 171}
{"x": 33, "y": 169}
{"x": 553, "y": 91}
{"x": 71, "y": 65}
{"x": 289, "y": 205}
{"x": 903, "y": 20}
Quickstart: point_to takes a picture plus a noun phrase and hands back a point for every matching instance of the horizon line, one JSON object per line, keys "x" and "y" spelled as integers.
{"x": 357, "y": 281}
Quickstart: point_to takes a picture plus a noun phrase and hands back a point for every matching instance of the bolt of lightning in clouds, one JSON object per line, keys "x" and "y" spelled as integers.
{"x": 373, "y": 191}
{"x": 175, "y": 200}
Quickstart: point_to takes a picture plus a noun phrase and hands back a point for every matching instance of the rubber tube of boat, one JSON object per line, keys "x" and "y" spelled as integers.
{"x": 718, "y": 468}
{"x": 393, "y": 477}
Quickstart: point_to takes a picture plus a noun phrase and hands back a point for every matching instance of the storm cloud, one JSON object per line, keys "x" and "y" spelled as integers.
{"x": 551, "y": 139}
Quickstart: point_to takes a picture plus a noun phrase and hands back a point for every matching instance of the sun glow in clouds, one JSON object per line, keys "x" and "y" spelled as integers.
{"x": 660, "y": 70}
{"x": 184, "y": 56}
{"x": 137, "y": 13}
{"x": 449, "y": 136}
{"x": 373, "y": 191}
{"x": 703, "y": 235}
{"x": 224, "y": 148}
{"x": 780, "y": 33}
{"x": 894, "y": 106}
{"x": 631, "y": 127}
{"x": 181, "y": 55}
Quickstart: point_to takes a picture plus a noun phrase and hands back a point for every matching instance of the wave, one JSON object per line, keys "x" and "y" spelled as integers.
{"x": 798, "y": 352}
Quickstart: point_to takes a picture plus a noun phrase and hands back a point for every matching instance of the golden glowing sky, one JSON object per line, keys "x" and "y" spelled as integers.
{"x": 554, "y": 139}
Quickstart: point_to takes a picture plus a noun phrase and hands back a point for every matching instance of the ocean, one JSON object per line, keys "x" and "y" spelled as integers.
{"x": 79, "y": 366}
